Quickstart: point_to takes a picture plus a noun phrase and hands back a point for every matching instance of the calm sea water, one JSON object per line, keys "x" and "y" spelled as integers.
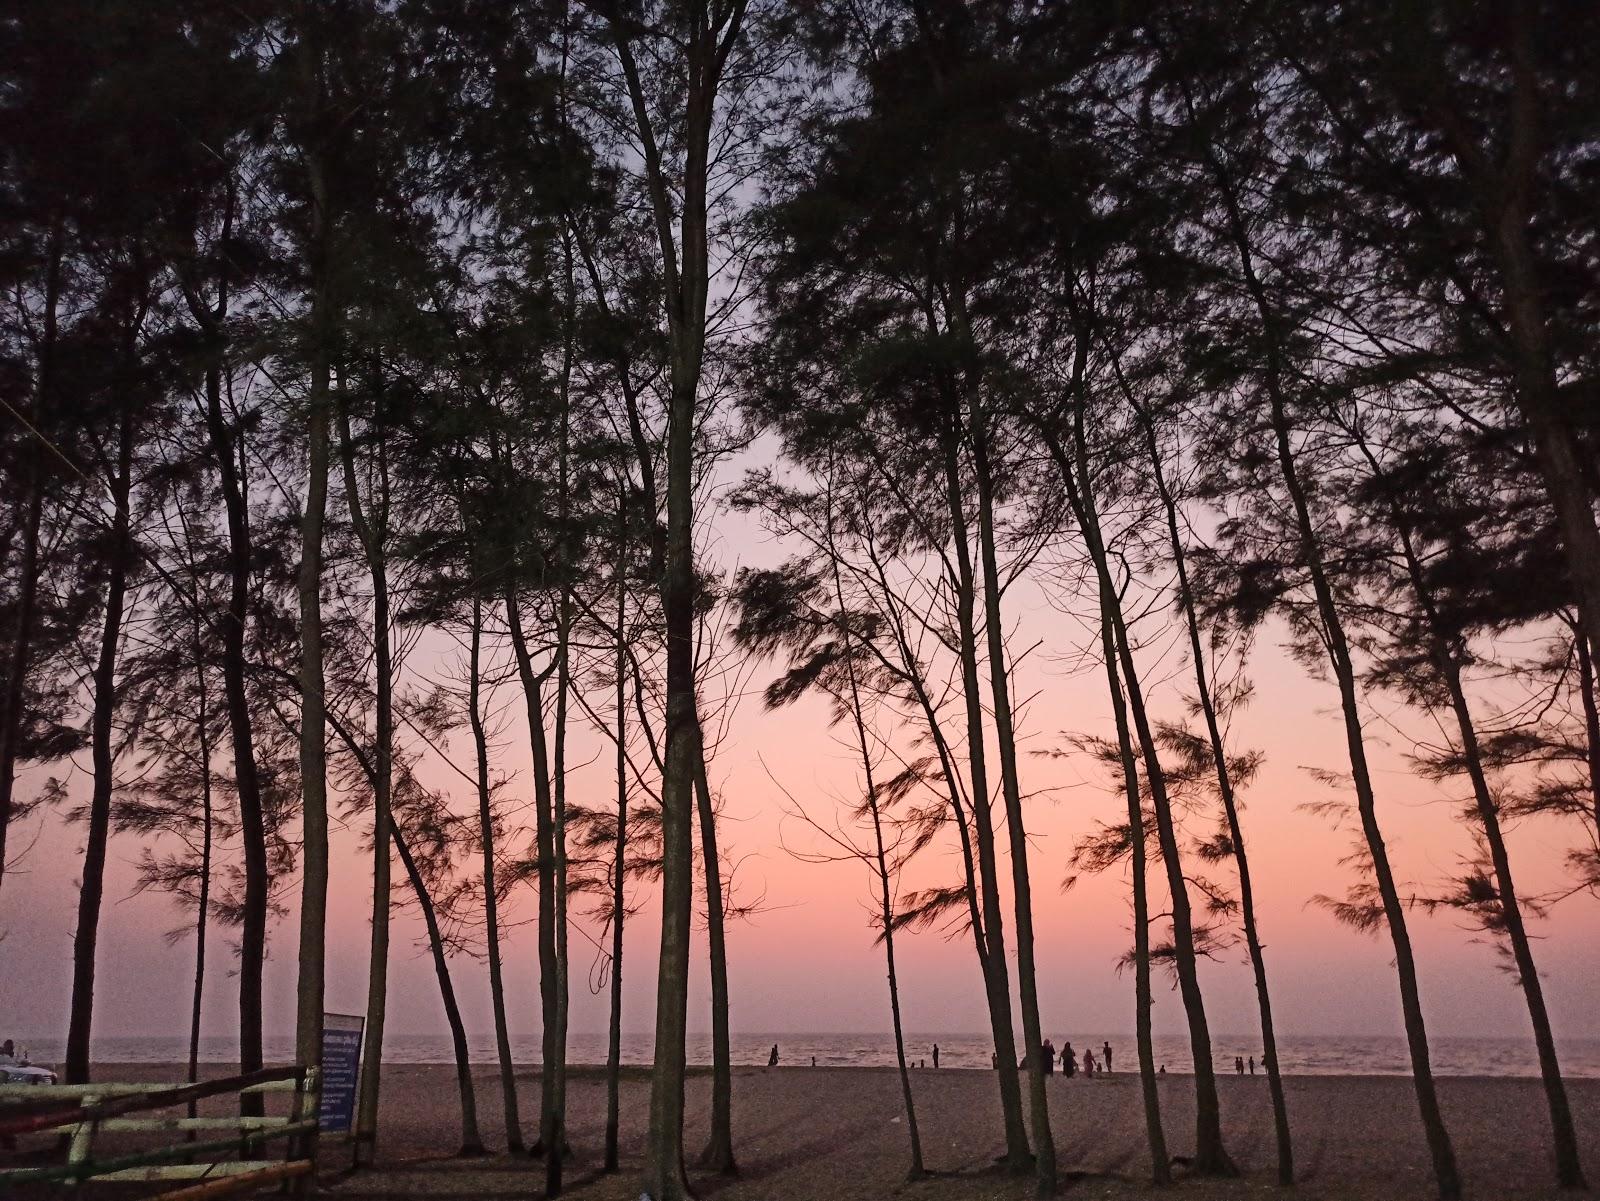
{"x": 1317, "y": 1055}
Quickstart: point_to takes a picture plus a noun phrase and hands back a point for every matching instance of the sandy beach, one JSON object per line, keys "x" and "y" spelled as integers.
{"x": 828, "y": 1133}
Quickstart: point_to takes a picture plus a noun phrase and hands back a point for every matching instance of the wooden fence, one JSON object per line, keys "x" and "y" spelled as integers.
{"x": 83, "y": 1111}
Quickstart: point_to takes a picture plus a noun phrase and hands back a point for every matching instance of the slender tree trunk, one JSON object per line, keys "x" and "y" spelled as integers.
{"x": 911, "y": 670}
{"x": 681, "y": 231}
{"x": 1569, "y": 1166}
{"x": 664, "y": 1179}
{"x": 313, "y": 712}
{"x": 372, "y": 532}
{"x": 229, "y": 455}
{"x": 1440, "y": 1149}
{"x": 471, "y": 1140}
{"x": 881, "y": 863}
{"x": 1018, "y": 1157}
{"x": 491, "y": 894}
{"x": 1211, "y": 1156}
{"x": 1160, "y": 1166}
{"x": 618, "y": 880}
{"x": 1230, "y": 808}
{"x": 555, "y": 1135}
{"x": 718, "y": 1153}
{"x": 886, "y": 893}
{"x": 13, "y": 699}
{"x": 1443, "y": 1153}
{"x": 544, "y": 836}
{"x": 553, "y": 1124}
{"x": 92, "y": 886}
{"x": 247, "y": 784}
{"x": 203, "y": 905}
{"x": 1044, "y": 1146}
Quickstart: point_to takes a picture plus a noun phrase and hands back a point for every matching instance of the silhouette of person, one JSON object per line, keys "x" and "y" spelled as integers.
{"x": 1163, "y": 1070}
{"x": 772, "y": 1057}
{"x": 1252, "y": 1065}
{"x": 994, "y": 1060}
{"x": 1069, "y": 1061}
{"x": 1238, "y": 1065}
{"x": 1047, "y": 1057}
{"x": 1088, "y": 1065}
{"x": 1107, "y": 1057}
{"x": 936, "y": 1055}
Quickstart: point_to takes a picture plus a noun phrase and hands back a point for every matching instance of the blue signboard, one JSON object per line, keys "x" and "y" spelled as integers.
{"x": 341, "y": 1062}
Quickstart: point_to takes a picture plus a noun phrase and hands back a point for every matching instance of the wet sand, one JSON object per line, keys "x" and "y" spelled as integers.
{"x": 828, "y": 1133}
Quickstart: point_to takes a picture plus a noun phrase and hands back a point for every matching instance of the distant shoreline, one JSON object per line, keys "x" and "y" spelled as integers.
{"x": 146, "y": 1069}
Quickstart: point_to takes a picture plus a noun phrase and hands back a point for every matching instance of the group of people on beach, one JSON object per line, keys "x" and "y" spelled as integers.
{"x": 1048, "y": 1055}
{"x": 1070, "y": 1063}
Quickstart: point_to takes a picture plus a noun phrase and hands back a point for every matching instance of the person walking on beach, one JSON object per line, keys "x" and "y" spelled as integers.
{"x": 1106, "y": 1059}
{"x": 1047, "y": 1057}
{"x": 772, "y": 1058}
{"x": 936, "y": 1055}
{"x": 1252, "y": 1065}
{"x": 1238, "y": 1065}
{"x": 1088, "y": 1064}
{"x": 1069, "y": 1061}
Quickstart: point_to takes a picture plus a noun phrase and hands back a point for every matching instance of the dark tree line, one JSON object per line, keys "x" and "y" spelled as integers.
{"x": 335, "y": 330}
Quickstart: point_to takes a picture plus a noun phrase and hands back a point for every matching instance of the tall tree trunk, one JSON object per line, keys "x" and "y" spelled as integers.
{"x": 247, "y": 784}
{"x": 471, "y": 1140}
{"x": 1230, "y": 808}
{"x": 881, "y": 862}
{"x": 372, "y": 531}
{"x": 886, "y": 894}
{"x": 229, "y": 455}
{"x": 1160, "y": 1167}
{"x": 1443, "y": 1153}
{"x": 1440, "y": 1149}
{"x": 618, "y": 879}
{"x": 491, "y": 895}
{"x": 553, "y": 1077}
{"x": 203, "y": 904}
{"x": 554, "y": 1130}
{"x": 1211, "y": 1156}
{"x": 1569, "y": 1166}
{"x": 718, "y": 1153}
{"x": 13, "y": 698}
{"x": 681, "y": 232}
{"x": 92, "y": 886}
{"x": 911, "y": 670}
{"x": 313, "y": 712}
{"x": 1044, "y": 1146}
{"x": 544, "y": 837}
{"x": 1018, "y": 1157}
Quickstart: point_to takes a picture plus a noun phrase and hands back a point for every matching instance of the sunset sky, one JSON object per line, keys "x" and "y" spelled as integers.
{"x": 806, "y": 961}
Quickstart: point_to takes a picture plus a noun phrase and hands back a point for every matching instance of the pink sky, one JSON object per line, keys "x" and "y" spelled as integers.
{"x": 807, "y": 963}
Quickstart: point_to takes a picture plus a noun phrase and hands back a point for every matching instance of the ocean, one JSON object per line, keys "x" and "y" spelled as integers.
{"x": 1300, "y": 1055}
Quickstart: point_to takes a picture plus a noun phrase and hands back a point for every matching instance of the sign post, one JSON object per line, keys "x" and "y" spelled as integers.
{"x": 341, "y": 1063}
